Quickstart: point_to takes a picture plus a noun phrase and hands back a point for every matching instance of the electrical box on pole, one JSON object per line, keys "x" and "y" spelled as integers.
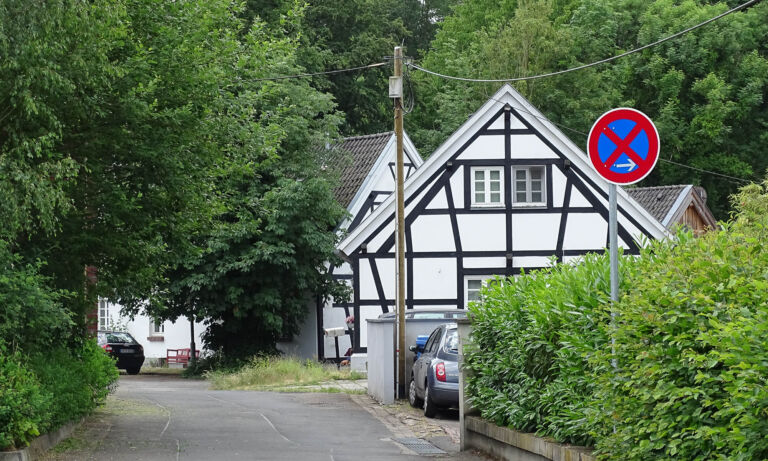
{"x": 395, "y": 87}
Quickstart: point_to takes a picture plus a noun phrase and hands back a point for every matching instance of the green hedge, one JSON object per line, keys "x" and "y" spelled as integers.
{"x": 690, "y": 341}
{"x": 692, "y": 347}
{"x": 43, "y": 392}
{"x": 532, "y": 337}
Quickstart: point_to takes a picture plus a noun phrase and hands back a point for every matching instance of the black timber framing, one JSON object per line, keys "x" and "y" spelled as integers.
{"x": 440, "y": 181}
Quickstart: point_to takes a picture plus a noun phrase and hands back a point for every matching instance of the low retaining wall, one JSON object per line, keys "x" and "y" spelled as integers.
{"x": 41, "y": 444}
{"x": 503, "y": 442}
{"x": 511, "y": 445}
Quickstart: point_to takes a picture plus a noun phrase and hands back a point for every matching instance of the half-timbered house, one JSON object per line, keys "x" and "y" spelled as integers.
{"x": 507, "y": 192}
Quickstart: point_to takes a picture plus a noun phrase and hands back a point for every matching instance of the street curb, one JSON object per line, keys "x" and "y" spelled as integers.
{"x": 41, "y": 444}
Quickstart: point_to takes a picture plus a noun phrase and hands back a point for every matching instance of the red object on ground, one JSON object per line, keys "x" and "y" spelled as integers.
{"x": 179, "y": 356}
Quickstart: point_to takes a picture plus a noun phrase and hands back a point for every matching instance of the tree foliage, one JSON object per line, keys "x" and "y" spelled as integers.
{"x": 705, "y": 91}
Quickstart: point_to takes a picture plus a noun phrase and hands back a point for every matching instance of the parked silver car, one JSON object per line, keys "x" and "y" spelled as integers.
{"x": 435, "y": 375}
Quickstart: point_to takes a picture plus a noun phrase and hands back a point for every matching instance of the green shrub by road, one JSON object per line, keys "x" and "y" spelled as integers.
{"x": 41, "y": 393}
{"x": 690, "y": 343}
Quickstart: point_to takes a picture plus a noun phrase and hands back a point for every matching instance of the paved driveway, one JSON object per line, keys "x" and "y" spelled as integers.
{"x": 168, "y": 418}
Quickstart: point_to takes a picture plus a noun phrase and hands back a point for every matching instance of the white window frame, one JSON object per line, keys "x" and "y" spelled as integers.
{"x": 528, "y": 191}
{"x": 153, "y": 327}
{"x": 483, "y": 280}
{"x": 487, "y": 181}
{"x": 103, "y": 314}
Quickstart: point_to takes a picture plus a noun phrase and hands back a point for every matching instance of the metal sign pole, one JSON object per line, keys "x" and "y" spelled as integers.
{"x": 613, "y": 249}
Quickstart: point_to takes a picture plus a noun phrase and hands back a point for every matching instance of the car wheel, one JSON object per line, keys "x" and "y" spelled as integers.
{"x": 413, "y": 398}
{"x": 133, "y": 371}
{"x": 430, "y": 409}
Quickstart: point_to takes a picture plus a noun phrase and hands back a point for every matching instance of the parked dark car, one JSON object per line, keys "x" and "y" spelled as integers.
{"x": 120, "y": 345}
{"x": 435, "y": 374}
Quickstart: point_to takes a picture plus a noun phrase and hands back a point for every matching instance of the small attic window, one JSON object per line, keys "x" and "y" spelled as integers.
{"x": 529, "y": 186}
{"x": 487, "y": 186}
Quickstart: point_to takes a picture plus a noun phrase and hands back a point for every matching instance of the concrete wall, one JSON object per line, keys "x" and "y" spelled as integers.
{"x": 381, "y": 361}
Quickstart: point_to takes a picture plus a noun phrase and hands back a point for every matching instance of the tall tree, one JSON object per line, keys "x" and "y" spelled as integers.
{"x": 253, "y": 271}
{"x": 706, "y": 91}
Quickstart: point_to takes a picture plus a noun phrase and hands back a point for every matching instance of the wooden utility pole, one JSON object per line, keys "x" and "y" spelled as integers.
{"x": 398, "y": 100}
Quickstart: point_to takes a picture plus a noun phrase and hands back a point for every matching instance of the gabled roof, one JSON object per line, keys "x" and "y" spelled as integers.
{"x": 668, "y": 203}
{"x": 356, "y": 156}
{"x": 505, "y": 96}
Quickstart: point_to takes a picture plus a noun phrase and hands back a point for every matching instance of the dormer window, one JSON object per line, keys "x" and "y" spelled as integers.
{"x": 488, "y": 186}
{"x": 529, "y": 186}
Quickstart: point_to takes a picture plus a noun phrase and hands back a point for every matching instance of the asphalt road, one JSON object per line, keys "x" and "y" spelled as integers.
{"x": 167, "y": 418}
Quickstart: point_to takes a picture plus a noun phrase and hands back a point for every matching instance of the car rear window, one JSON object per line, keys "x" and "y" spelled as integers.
{"x": 117, "y": 337}
{"x": 452, "y": 341}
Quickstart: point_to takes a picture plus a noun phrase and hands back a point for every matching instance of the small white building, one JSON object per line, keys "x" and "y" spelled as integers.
{"x": 505, "y": 193}
{"x": 156, "y": 337}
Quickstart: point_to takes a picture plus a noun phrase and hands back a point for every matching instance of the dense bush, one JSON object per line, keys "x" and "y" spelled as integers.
{"x": 79, "y": 380}
{"x": 692, "y": 347}
{"x": 531, "y": 341}
{"x": 690, "y": 343}
{"x": 23, "y": 404}
{"x": 47, "y": 390}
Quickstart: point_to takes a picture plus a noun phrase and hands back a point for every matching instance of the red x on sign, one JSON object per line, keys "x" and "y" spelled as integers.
{"x": 623, "y": 146}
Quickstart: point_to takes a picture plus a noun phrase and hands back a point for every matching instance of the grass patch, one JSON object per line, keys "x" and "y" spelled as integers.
{"x": 270, "y": 373}
{"x": 161, "y": 371}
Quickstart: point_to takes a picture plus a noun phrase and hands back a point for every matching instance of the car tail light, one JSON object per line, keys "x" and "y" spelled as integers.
{"x": 440, "y": 371}
{"x": 107, "y": 347}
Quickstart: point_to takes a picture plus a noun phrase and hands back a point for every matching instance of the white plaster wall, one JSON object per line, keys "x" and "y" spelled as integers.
{"x": 558, "y": 187}
{"x": 535, "y": 231}
{"x": 366, "y": 312}
{"x": 498, "y": 123}
{"x": 578, "y": 200}
{"x": 386, "y": 268}
{"x": 585, "y": 231}
{"x": 525, "y": 146}
{"x": 381, "y": 237}
{"x": 531, "y": 261}
{"x": 367, "y": 283}
{"x": 439, "y": 202}
{"x": 485, "y": 147}
{"x": 482, "y": 232}
{"x": 457, "y": 188}
{"x": 385, "y": 181}
{"x": 434, "y": 278}
{"x": 515, "y": 123}
{"x": 432, "y": 233}
{"x": 481, "y": 263}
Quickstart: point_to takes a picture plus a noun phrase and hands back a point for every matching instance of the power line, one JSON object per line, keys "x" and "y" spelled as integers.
{"x": 327, "y": 72}
{"x": 682, "y": 165}
{"x": 584, "y": 66}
